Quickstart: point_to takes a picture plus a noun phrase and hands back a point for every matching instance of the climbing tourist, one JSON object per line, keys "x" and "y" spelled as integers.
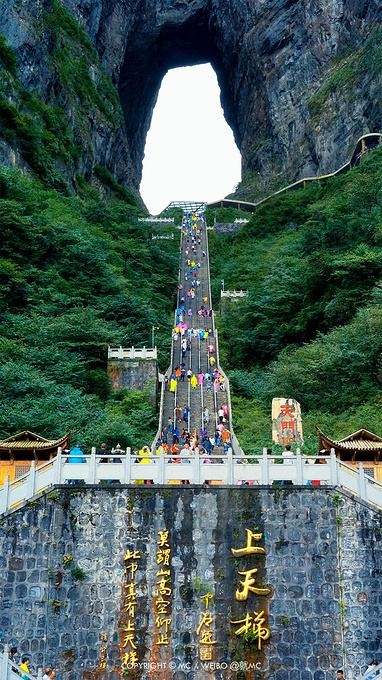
{"x": 49, "y": 673}
{"x": 25, "y": 666}
{"x": 194, "y": 381}
{"x": 76, "y": 456}
{"x": 13, "y": 655}
{"x": 103, "y": 450}
{"x": 186, "y": 413}
{"x": 208, "y": 382}
{"x": 224, "y": 406}
{"x": 144, "y": 459}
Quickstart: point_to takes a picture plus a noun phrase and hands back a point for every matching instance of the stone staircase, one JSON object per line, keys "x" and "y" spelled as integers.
{"x": 199, "y": 351}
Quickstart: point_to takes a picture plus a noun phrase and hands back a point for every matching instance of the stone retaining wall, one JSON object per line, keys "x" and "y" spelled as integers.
{"x": 317, "y": 552}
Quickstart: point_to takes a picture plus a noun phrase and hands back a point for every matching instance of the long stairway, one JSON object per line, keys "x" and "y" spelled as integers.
{"x": 194, "y": 409}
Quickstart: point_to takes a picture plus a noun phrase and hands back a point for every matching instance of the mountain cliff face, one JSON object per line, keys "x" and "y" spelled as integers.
{"x": 300, "y": 81}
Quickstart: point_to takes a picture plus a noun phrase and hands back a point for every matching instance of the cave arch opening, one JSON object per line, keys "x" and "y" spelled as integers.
{"x": 182, "y": 37}
{"x": 190, "y": 151}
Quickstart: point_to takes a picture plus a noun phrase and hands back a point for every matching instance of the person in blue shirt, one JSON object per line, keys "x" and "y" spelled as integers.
{"x": 76, "y": 455}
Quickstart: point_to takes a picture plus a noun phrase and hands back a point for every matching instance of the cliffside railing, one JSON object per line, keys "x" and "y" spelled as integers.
{"x": 364, "y": 144}
{"x": 10, "y": 671}
{"x": 228, "y": 469}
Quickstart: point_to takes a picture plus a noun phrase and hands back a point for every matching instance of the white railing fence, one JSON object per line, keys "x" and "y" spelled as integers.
{"x": 132, "y": 353}
{"x": 373, "y": 674}
{"x": 10, "y": 671}
{"x": 126, "y": 468}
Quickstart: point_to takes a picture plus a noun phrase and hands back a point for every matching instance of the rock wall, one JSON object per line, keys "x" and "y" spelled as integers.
{"x": 83, "y": 569}
{"x": 299, "y": 80}
{"x": 136, "y": 374}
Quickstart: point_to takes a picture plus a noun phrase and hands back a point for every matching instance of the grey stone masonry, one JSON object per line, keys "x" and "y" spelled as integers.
{"x": 229, "y": 582}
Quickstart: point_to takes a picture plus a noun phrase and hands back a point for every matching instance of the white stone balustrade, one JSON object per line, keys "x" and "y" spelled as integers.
{"x": 233, "y": 293}
{"x": 157, "y": 220}
{"x": 132, "y": 353}
{"x": 228, "y": 469}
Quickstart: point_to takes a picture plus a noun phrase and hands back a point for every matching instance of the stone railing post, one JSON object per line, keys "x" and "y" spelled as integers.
{"x": 93, "y": 466}
{"x": 4, "y": 495}
{"x": 196, "y": 461}
{"x": 31, "y": 480}
{"x": 362, "y": 482}
{"x": 127, "y": 467}
{"x": 299, "y": 463}
{"x": 229, "y": 477}
{"x": 334, "y": 468}
{"x": 57, "y": 467}
{"x": 39, "y": 674}
{"x": 264, "y": 465}
{"x": 7, "y": 491}
{"x": 4, "y": 663}
{"x": 162, "y": 463}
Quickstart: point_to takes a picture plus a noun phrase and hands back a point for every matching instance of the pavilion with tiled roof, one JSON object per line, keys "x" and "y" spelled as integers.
{"x": 360, "y": 446}
{"x": 27, "y": 445}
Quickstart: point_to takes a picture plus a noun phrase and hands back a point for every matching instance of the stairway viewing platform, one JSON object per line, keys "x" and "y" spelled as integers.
{"x": 132, "y": 353}
{"x": 233, "y": 293}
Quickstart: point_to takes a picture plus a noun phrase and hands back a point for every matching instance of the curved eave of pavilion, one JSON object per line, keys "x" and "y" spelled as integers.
{"x": 28, "y": 444}
{"x": 359, "y": 446}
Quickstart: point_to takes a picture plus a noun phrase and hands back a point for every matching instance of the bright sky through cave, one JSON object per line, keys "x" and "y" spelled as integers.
{"x": 190, "y": 152}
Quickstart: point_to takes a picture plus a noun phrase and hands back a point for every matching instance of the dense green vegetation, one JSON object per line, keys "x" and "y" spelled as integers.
{"x": 75, "y": 276}
{"x": 311, "y": 326}
{"x": 51, "y": 139}
{"x": 78, "y": 273}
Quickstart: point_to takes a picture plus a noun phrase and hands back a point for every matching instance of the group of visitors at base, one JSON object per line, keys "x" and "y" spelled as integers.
{"x": 23, "y": 667}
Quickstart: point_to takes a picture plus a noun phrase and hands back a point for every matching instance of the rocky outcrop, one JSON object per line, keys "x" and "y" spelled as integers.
{"x": 298, "y": 80}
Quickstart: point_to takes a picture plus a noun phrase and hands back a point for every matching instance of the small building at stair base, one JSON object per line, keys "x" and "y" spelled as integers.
{"x": 18, "y": 451}
{"x": 134, "y": 368}
{"x": 359, "y": 447}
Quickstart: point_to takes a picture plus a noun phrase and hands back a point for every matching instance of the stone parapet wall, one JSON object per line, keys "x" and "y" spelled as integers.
{"x": 317, "y": 553}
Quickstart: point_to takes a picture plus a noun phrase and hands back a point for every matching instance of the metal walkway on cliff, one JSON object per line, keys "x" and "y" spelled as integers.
{"x": 364, "y": 144}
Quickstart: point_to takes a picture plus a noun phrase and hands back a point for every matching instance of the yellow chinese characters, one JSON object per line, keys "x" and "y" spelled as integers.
{"x": 249, "y": 548}
{"x": 248, "y": 585}
{"x": 204, "y": 630}
{"x": 253, "y": 623}
{"x": 129, "y": 605}
{"x": 163, "y": 591}
{"x": 102, "y": 663}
